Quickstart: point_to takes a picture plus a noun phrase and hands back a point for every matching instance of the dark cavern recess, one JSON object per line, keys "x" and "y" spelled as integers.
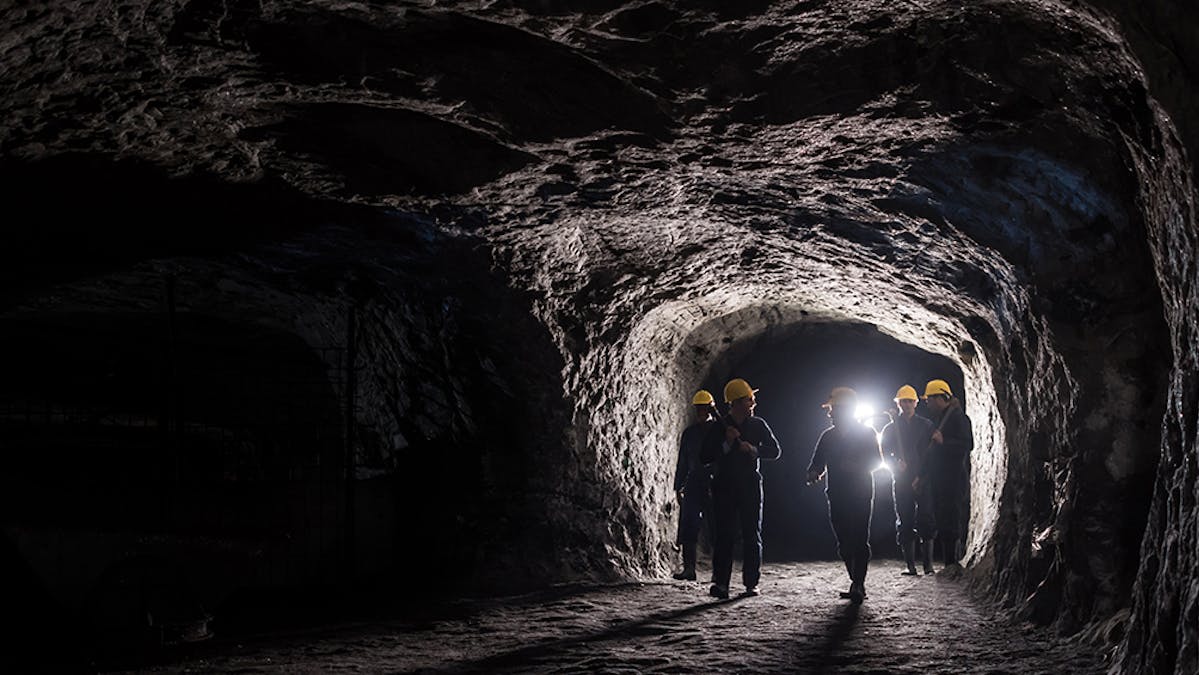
{"x": 315, "y": 294}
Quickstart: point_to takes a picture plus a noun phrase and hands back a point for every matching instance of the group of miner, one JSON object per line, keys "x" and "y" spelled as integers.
{"x": 718, "y": 480}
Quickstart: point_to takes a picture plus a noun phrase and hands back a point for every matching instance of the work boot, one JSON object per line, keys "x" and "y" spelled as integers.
{"x": 928, "y": 556}
{"x": 857, "y": 591}
{"x": 688, "y": 573}
{"x": 718, "y": 591}
{"x": 909, "y": 557}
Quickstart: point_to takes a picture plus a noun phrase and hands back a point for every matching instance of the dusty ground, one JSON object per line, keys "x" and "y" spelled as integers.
{"x": 798, "y": 624}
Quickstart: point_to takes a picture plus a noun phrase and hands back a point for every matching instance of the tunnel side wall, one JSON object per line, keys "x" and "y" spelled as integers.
{"x": 1163, "y": 633}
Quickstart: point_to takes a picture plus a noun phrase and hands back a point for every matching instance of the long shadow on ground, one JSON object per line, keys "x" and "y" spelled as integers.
{"x": 827, "y": 654}
{"x": 538, "y": 652}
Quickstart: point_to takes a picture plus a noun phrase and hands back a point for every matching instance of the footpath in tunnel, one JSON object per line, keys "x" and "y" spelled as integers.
{"x": 799, "y": 624}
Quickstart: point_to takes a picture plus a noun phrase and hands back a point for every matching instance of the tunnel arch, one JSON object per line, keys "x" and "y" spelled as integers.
{"x": 992, "y": 221}
{"x": 795, "y": 372}
{"x": 696, "y": 338}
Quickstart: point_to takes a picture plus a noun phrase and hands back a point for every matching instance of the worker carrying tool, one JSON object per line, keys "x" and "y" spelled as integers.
{"x": 734, "y": 450}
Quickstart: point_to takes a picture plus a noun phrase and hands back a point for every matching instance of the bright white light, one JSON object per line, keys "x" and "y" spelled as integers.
{"x": 863, "y": 411}
{"x": 883, "y": 467}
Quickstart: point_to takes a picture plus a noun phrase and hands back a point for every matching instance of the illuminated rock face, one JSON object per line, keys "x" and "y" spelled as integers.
{"x": 548, "y": 220}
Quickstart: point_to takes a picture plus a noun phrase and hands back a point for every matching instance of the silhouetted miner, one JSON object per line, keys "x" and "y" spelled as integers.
{"x": 904, "y": 442}
{"x": 848, "y": 452}
{"x": 693, "y": 480}
{"x": 946, "y": 465}
{"x": 734, "y": 449}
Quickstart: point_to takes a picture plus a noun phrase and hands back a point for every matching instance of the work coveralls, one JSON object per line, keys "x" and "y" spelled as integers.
{"x": 693, "y": 477}
{"x": 737, "y": 496}
{"x": 908, "y": 439}
{"x": 947, "y": 470}
{"x": 850, "y": 452}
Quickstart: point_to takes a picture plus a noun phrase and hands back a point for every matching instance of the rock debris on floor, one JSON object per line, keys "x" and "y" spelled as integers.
{"x": 798, "y": 624}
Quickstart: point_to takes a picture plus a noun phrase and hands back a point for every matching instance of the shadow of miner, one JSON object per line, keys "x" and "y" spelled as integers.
{"x": 825, "y": 653}
{"x": 537, "y": 653}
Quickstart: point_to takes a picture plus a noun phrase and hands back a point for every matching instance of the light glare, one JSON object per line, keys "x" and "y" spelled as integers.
{"x": 863, "y": 411}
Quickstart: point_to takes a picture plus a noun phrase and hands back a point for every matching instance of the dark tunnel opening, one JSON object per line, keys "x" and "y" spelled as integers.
{"x": 795, "y": 373}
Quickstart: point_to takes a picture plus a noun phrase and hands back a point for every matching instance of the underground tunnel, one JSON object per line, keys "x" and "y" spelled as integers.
{"x": 795, "y": 368}
{"x": 319, "y": 310}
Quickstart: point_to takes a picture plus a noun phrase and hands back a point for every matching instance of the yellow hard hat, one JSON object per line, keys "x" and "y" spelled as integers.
{"x": 906, "y": 393}
{"x": 841, "y": 396}
{"x": 935, "y": 387}
{"x": 702, "y": 397}
{"x": 736, "y": 389}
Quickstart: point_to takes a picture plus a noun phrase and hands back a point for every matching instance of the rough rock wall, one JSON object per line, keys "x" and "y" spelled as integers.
{"x": 650, "y": 183}
{"x": 1162, "y": 634}
{"x": 1164, "y": 36}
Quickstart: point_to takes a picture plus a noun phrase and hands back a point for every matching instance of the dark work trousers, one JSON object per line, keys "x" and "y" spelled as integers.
{"x": 696, "y": 510}
{"x": 947, "y": 503}
{"x": 850, "y": 516}
{"x": 914, "y": 516}
{"x": 737, "y": 502}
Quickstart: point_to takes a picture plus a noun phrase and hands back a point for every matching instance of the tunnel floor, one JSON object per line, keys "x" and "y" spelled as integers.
{"x": 799, "y": 624}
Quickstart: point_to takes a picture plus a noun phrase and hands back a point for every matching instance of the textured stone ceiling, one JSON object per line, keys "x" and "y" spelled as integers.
{"x": 556, "y": 214}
